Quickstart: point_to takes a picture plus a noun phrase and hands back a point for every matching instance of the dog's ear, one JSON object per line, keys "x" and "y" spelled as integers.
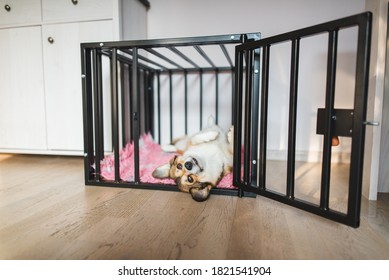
{"x": 162, "y": 172}
{"x": 200, "y": 192}
{"x": 173, "y": 160}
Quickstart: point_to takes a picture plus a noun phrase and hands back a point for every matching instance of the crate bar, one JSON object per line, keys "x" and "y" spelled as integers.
{"x": 195, "y": 70}
{"x": 150, "y": 103}
{"x": 217, "y": 95}
{"x": 254, "y": 117}
{"x": 159, "y": 105}
{"x": 247, "y": 122}
{"x": 115, "y": 113}
{"x": 99, "y": 85}
{"x": 162, "y": 187}
{"x": 187, "y": 59}
{"x": 237, "y": 119}
{"x": 264, "y": 116}
{"x": 130, "y": 101}
{"x": 204, "y": 55}
{"x": 99, "y": 69}
{"x": 145, "y": 59}
{"x": 97, "y": 98}
{"x": 330, "y": 99}
{"x": 154, "y": 52}
{"x": 143, "y": 98}
{"x": 177, "y": 42}
{"x": 136, "y": 113}
{"x": 125, "y": 59}
{"x": 186, "y": 101}
{"x": 87, "y": 113}
{"x": 291, "y": 164}
{"x": 201, "y": 99}
{"x": 358, "y": 133}
{"x": 151, "y": 100}
{"x": 171, "y": 105}
{"x": 233, "y": 74}
{"x": 122, "y": 103}
{"x": 223, "y": 47}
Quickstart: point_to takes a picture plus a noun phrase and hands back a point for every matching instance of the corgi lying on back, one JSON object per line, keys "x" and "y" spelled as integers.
{"x": 205, "y": 158}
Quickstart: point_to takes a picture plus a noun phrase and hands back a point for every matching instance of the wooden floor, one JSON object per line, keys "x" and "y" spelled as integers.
{"x": 46, "y": 212}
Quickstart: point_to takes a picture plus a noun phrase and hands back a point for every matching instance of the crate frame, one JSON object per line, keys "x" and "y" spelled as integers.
{"x": 143, "y": 72}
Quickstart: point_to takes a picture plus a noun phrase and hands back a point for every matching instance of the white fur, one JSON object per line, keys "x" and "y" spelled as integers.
{"x": 209, "y": 154}
{"x": 213, "y": 151}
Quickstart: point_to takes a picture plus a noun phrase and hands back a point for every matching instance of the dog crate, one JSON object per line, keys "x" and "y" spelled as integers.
{"x": 139, "y": 95}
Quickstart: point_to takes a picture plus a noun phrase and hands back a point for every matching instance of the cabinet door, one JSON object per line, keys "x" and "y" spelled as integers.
{"x": 62, "y": 64}
{"x": 22, "y": 102}
{"x": 55, "y": 10}
{"x": 19, "y": 11}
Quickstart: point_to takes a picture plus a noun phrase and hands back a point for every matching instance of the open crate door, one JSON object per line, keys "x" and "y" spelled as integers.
{"x": 296, "y": 95}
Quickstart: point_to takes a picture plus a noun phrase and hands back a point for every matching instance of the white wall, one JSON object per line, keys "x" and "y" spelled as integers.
{"x": 175, "y": 18}
{"x": 373, "y": 147}
{"x": 183, "y": 18}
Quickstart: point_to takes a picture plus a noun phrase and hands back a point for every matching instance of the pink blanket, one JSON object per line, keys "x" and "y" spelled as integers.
{"x": 150, "y": 157}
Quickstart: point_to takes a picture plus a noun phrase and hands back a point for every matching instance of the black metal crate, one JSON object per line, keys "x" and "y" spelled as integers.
{"x": 129, "y": 89}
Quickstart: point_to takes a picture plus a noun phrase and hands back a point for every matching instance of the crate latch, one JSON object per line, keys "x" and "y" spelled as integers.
{"x": 342, "y": 122}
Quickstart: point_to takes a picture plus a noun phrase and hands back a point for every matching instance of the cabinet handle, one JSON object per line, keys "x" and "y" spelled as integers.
{"x": 51, "y": 40}
{"x": 75, "y": 2}
{"x": 7, "y": 8}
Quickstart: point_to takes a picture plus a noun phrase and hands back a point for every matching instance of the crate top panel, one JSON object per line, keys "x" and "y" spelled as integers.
{"x": 206, "y": 53}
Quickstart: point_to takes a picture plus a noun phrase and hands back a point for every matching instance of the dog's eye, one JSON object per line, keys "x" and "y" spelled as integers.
{"x": 190, "y": 179}
{"x": 179, "y": 166}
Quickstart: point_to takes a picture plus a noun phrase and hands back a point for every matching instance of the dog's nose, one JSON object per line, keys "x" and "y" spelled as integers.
{"x": 188, "y": 165}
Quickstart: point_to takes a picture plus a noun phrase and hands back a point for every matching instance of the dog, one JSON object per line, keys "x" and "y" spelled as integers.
{"x": 204, "y": 158}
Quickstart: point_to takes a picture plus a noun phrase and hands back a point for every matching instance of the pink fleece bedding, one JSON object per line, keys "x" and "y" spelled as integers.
{"x": 150, "y": 157}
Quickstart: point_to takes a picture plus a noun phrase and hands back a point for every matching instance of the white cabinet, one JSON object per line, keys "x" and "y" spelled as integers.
{"x": 40, "y": 69}
{"x": 22, "y": 100}
{"x": 61, "y": 46}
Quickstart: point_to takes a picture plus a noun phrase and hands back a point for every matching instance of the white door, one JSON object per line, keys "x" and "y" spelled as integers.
{"x": 22, "y": 102}
{"x": 62, "y": 64}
